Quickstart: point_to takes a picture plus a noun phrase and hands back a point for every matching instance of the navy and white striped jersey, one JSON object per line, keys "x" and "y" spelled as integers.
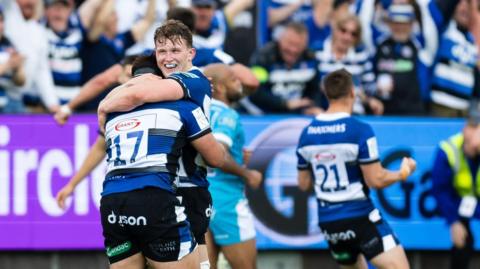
{"x": 214, "y": 37}
{"x": 193, "y": 169}
{"x": 145, "y": 144}
{"x": 357, "y": 61}
{"x": 196, "y": 87}
{"x": 332, "y": 147}
{"x": 6, "y": 79}
{"x": 64, "y": 58}
{"x": 453, "y": 73}
{"x": 283, "y": 82}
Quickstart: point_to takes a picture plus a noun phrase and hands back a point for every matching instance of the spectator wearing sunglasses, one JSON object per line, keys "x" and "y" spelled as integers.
{"x": 343, "y": 49}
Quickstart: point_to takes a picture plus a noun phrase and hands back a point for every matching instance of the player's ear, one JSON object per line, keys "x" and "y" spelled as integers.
{"x": 192, "y": 53}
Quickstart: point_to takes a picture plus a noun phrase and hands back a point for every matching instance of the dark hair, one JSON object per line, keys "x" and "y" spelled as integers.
{"x": 185, "y": 15}
{"x": 174, "y": 31}
{"x": 128, "y": 60}
{"x": 145, "y": 64}
{"x": 337, "y": 84}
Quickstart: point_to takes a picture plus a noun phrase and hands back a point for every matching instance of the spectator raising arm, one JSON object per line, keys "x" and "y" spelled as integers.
{"x": 277, "y": 15}
{"x": 100, "y": 20}
{"x": 93, "y": 88}
{"x": 141, "y": 27}
{"x": 234, "y": 7}
{"x": 14, "y": 65}
{"x": 87, "y": 11}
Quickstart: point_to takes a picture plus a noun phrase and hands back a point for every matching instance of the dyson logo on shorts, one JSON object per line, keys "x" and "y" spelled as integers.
{"x": 127, "y": 220}
{"x": 341, "y": 236}
{"x": 208, "y": 211}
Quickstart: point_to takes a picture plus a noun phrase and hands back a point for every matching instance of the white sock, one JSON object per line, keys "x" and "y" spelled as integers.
{"x": 205, "y": 264}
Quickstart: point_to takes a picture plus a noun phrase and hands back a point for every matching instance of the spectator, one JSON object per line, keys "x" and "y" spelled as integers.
{"x": 397, "y": 64}
{"x": 372, "y": 14}
{"x": 453, "y": 73}
{"x": 131, "y": 11}
{"x": 211, "y": 25}
{"x": 21, "y": 27}
{"x": 456, "y": 186}
{"x": 324, "y": 12}
{"x": 203, "y": 55}
{"x": 67, "y": 30}
{"x": 474, "y": 7}
{"x": 318, "y": 24}
{"x": 432, "y": 17}
{"x": 11, "y": 73}
{"x": 96, "y": 89}
{"x": 343, "y": 49}
{"x": 287, "y": 71}
{"x": 279, "y": 13}
{"x": 106, "y": 46}
{"x": 241, "y": 39}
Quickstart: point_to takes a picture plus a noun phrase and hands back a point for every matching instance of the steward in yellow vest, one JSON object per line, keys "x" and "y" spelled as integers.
{"x": 456, "y": 188}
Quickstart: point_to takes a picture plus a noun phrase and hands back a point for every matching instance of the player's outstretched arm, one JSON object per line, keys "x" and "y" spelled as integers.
{"x": 378, "y": 177}
{"x": 94, "y": 157}
{"x": 252, "y": 178}
{"x": 147, "y": 88}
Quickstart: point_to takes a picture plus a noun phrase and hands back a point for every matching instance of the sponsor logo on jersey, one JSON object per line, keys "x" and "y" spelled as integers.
{"x": 325, "y": 156}
{"x": 127, "y": 125}
{"x": 328, "y": 129}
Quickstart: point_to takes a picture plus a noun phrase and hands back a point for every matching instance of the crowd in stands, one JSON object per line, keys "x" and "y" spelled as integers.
{"x": 407, "y": 57}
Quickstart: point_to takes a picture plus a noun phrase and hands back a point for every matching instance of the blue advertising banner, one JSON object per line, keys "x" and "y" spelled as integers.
{"x": 286, "y": 217}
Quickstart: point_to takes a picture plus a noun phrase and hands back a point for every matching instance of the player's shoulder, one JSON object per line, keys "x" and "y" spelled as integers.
{"x": 225, "y": 114}
{"x": 223, "y": 108}
{"x": 342, "y": 122}
{"x": 185, "y": 104}
{"x": 193, "y": 73}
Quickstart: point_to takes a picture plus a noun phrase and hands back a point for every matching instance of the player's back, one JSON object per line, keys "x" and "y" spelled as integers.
{"x": 146, "y": 143}
{"x": 333, "y": 146}
{"x": 197, "y": 89}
